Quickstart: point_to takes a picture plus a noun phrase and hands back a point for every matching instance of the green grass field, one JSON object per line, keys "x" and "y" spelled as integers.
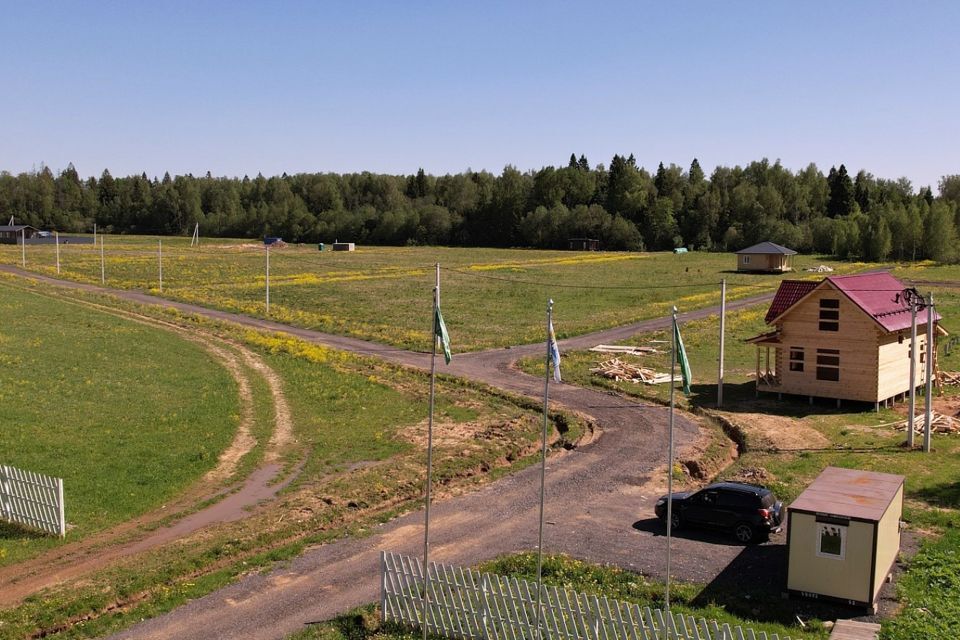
{"x": 359, "y": 426}
{"x": 564, "y": 572}
{"x": 127, "y": 415}
{"x": 490, "y": 297}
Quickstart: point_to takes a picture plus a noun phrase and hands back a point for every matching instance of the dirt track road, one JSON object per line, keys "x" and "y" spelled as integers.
{"x": 599, "y": 502}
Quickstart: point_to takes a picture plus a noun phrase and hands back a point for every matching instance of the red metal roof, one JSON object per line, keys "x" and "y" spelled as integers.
{"x": 789, "y": 292}
{"x": 878, "y": 295}
{"x": 850, "y": 493}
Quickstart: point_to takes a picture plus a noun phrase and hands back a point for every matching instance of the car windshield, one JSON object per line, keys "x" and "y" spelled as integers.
{"x": 767, "y": 499}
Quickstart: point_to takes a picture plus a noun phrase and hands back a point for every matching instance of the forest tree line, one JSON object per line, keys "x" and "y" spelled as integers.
{"x": 623, "y": 205}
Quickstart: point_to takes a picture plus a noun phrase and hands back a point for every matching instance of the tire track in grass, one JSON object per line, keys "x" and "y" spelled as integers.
{"x": 99, "y": 550}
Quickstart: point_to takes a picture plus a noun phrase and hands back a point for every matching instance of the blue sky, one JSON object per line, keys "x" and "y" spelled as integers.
{"x": 239, "y": 88}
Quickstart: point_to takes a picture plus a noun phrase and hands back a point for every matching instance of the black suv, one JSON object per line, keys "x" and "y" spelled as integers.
{"x": 748, "y": 510}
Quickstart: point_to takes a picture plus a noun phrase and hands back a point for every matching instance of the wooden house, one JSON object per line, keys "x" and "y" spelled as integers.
{"x": 15, "y": 233}
{"x": 843, "y": 536}
{"x": 844, "y": 337}
{"x": 584, "y": 244}
{"x": 766, "y": 257}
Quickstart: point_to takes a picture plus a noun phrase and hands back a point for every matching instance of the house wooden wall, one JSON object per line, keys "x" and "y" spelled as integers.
{"x": 894, "y": 362}
{"x": 856, "y": 340}
{"x": 762, "y": 262}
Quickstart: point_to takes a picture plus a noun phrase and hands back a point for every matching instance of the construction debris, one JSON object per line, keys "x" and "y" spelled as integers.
{"x": 939, "y": 423}
{"x": 618, "y": 348}
{"x": 617, "y": 369}
{"x": 821, "y": 269}
{"x": 950, "y": 377}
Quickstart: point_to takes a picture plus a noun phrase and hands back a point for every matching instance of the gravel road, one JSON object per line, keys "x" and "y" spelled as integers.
{"x": 599, "y": 501}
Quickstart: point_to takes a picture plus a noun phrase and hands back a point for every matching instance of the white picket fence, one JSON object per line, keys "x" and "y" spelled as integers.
{"x": 468, "y": 605}
{"x": 32, "y": 499}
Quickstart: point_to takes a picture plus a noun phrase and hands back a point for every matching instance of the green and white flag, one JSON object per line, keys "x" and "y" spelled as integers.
{"x": 682, "y": 356}
{"x": 440, "y": 331}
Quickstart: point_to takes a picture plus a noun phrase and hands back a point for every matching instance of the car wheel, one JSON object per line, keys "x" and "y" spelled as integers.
{"x": 675, "y": 521}
{"x": 744, "y": 532}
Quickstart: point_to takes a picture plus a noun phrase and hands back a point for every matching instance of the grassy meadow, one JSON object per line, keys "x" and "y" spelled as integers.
{"x": 127, "y": 415}
{"x": 359, "y": 430}
{"x": 490, "y": 297}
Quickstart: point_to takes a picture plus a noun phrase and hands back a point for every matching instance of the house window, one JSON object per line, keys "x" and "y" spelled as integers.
{"x": 746, "y": 259}
{"x": 796, "y": 358}
{"x": 829, "y": 314}
{"x": 831, "y": 540}
{"x": 828, "y": 364}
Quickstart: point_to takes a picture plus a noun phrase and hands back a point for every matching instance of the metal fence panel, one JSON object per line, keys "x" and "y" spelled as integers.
{"x": 468, "y": 605}
{"x": 32, "y": 499}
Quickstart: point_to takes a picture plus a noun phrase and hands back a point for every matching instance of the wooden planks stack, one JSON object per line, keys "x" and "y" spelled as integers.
{"x": 939, "y": 423}
{"x": 617, "y": 369}
{"x": 949, "y": 378}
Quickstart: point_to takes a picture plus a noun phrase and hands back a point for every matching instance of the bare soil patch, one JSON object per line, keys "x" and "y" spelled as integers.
{"x": 776, "y": 433}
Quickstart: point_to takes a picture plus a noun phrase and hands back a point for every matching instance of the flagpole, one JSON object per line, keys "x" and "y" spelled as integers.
{"x": 426, "y": 511}
{"x": 543, "y": 467}
{"x": 673, "y": 388}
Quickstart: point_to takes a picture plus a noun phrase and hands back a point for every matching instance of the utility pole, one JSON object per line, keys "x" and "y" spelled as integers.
{"x": 160, "y": 262}
{"x": 268, "y": 279}
{"x": 912, "y": 413}
{"x": 931, "y": 354}
{"x": 723, "y": 320}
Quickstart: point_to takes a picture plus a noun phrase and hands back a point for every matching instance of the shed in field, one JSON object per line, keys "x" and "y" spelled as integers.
{"x": 843, "y": 536}
{"x": 15, "y": 233}
{"x": 766, "y": 257}
{"x": 343, "y": 246}
{"x": 584, "y": 244}
{"x": 844, "y": 337}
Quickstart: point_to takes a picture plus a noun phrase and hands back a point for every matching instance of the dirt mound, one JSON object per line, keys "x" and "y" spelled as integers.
{"x": 779, "y": 433}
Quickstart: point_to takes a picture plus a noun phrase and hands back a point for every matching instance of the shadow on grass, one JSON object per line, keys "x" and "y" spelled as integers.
{"x": 12, "y": 531}
{"x": 753, "y": 586}
{"x": 941, "y": 495}
{"x": 742, "y": 398}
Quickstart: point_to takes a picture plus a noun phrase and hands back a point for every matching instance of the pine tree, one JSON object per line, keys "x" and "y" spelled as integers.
{"x": 841, "y": 193}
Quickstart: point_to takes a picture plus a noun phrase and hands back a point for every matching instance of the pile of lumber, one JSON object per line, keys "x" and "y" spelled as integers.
{"x": 950, "y": 377}
{"x": 617, "y": 369}
{"x": 617, "y": 348}
{"x": 939, "y": 423}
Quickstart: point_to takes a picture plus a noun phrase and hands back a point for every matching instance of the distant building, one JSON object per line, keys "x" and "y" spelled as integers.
{"x": 766, "y": 257}
{"x": 14, "y": 233}
{"x": 344, "y": 246}
{"x": 844, "y": 337}
{"x": 583, "y": 244}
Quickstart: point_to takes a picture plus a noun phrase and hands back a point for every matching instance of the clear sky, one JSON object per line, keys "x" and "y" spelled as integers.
{"x": 238, "y": 88}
